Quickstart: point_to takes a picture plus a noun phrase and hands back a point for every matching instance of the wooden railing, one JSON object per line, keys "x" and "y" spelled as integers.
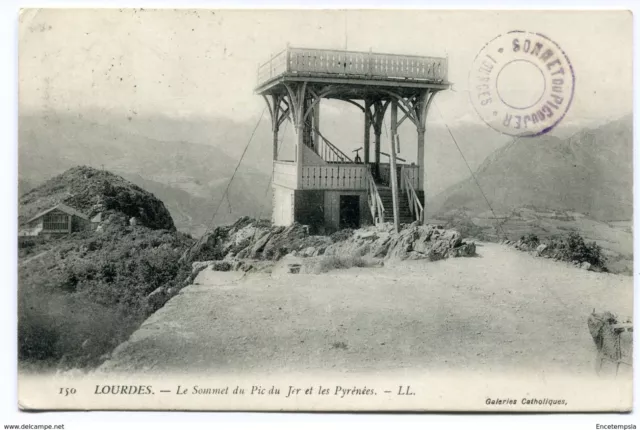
{"x": 276, "y": 66}
{"x": 334, "y": 177}
{"x": 413, "y": 175}
{"x": 352, "y": 63}
{"x": 412, "y": 172}
{"x": 375, "y": 202}
{"x": 414, "y": 202}
{"x": 329, "y": 152}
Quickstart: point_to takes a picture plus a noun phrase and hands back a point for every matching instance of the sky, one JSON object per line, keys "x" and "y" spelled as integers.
{"x": 183, "y": 63}
{"x": 133, "y": 66}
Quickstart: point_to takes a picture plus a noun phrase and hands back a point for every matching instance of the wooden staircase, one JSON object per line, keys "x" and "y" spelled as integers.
{"x": 403, "y": 204}
{"x": 328, "y": 151}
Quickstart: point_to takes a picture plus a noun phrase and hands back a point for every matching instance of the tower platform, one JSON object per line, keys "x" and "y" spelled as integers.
{"x": 323, "y": 187}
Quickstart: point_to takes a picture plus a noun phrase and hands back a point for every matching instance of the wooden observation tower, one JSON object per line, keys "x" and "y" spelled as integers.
{"x": 323, "y": 187}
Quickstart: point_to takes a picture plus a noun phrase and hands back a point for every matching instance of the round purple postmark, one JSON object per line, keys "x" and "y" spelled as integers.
{"x": 521, "y": 83}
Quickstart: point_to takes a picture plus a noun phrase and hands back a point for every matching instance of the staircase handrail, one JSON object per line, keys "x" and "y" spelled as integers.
{"x": 415, "y": 206}
{"x": 375, "y": 202}
{"x": 341, "y": 156}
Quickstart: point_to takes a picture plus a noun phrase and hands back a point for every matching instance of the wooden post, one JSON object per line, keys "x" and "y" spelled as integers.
{"x": 420, "y": 159}
{"x": 275, "y": 140}
{"x": 421, "y": 126}
{"x": 423, "y": 109}
{"x": 377, "y": 133}
{"x": 393, "y": 170}
{"x": 299, "y": 153}
{"x": 307, "y": 122}
{"x": 273, "y": 105}
{"x": 316, "y": 125}
{"x": 297, "y": 104}
{"x": 367, "y": 132}
{"x": 379, "y": 109}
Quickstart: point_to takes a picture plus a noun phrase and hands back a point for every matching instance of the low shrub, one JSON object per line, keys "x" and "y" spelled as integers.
{"x": 573, "y": 248}
{"x": 531, "y": 240}
{"x": 333, "y": 262}
{"x": 570, "y": 247}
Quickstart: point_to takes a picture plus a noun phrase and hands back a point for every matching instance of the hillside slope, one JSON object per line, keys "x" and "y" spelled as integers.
{"x": 590, "y": 173}
{"x": 80, "y": 295}
{"x": 93, "y": 191}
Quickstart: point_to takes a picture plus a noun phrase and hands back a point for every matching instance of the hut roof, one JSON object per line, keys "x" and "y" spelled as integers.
{"x": 61, "y": 207}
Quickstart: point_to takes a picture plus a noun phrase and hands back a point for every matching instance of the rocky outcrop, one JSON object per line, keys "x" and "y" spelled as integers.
{"x": 241, "y": 245}
{"x": 414, "y": 242}
{"x": 256, "y": 240}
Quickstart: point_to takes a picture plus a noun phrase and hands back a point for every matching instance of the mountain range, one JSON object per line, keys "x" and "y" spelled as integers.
{"x": 188, "y": 162}
{"x": 590, "y": 172}
{"x": 189, "y": 177}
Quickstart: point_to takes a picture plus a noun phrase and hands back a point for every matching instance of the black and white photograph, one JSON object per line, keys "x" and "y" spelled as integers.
{"x": 325, "y": 210}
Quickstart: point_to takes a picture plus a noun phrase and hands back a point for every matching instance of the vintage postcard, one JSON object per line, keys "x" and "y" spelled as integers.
{"x": 325, "y": 210}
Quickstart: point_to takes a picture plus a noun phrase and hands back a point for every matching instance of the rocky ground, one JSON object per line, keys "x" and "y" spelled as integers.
{"x": 248, "y": 243}
{"x": 502, "y": 310}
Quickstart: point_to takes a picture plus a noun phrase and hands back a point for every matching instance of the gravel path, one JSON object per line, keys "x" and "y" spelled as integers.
{"x": 503, "y": 310}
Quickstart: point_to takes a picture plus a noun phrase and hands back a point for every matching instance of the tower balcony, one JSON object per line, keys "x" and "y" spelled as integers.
{"x": 320, "y": 64}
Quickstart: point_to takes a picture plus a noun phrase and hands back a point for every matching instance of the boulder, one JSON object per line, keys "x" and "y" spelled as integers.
{"x": 259, "y": 245}
{"x": 380, "y": 247}
{"x": 366, "y": 234}
{"x": 540, "y": 249}
{"x": 401, "y": 247}
{"x": 438, "y": 251}
{"x": 244, "y": 253}
{"x": 308, "y": 252}
{"x": 453, "y": 237}
{"x": 466, "y": 249}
